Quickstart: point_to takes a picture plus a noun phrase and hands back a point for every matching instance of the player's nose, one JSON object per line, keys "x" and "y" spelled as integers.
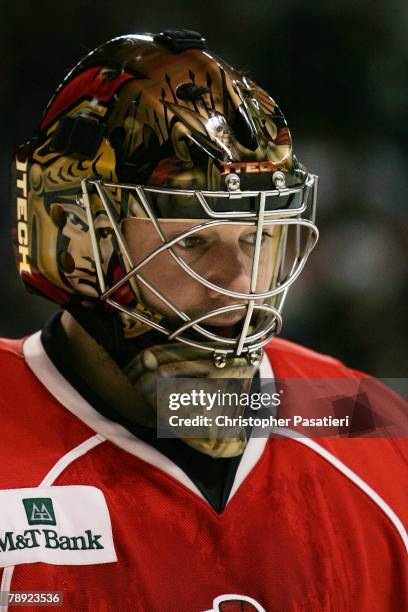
{"x": 229, "y": 269}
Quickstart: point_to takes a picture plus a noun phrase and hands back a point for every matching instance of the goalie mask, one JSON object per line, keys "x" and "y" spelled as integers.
{"x": 157, "y": 128}
{"x": 150, "y": 149}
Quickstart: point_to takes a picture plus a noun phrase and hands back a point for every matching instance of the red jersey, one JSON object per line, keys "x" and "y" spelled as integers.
{"x": 89, "y": 510}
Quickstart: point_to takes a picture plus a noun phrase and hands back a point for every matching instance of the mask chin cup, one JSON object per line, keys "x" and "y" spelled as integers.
{"x": 170, "y": 362}
{"x": 219, "y": 448}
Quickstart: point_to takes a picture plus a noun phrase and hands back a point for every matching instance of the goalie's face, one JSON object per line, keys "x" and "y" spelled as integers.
{"x": 221, "y": 254}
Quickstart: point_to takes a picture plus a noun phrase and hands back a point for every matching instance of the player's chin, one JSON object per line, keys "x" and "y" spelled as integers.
{"x": 227, "y": 324}
{"x": 218, "y": 320}
{"x": 228, "y": 319}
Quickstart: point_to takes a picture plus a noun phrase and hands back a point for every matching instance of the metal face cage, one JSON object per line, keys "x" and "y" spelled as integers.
{"x": 262, "y": 317}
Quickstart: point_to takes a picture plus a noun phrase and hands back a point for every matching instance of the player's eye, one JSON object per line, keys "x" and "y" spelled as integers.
{"x": 190, "y": 242}
{"x": 251, "y": 238}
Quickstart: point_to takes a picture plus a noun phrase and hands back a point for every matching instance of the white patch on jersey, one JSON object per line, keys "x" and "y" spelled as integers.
{"x": 61, "y": 525}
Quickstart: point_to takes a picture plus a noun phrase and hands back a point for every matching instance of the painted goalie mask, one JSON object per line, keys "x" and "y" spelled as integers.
{"x": 156, "y": 129}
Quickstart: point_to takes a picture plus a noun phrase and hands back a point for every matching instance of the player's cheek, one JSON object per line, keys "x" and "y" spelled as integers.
{"x": 265, "y": 270}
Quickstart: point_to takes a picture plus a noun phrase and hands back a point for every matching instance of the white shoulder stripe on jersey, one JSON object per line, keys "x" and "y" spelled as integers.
{"x": 48, "y": 480}
{"x": 344, "y": 469}
{"x": 43, "y": 368}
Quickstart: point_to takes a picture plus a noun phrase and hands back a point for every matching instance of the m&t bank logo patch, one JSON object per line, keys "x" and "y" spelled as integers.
{"x": 49, "y": 525}
{"x": 39, "y": 511}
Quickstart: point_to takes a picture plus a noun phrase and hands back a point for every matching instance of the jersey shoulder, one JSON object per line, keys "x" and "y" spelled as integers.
{"x": 293, "y": 360}
{"x": 12, "y": 363}
{"x": 9, "y": 347}
{"x": 376, "y": 445}
{"x": 39, "y": 430}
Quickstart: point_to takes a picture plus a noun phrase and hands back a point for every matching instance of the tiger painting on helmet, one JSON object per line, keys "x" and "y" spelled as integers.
{"x": 161, "y": 205}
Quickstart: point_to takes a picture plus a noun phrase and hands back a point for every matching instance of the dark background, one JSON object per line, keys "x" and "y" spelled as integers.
{"x": 337, "y": 69}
